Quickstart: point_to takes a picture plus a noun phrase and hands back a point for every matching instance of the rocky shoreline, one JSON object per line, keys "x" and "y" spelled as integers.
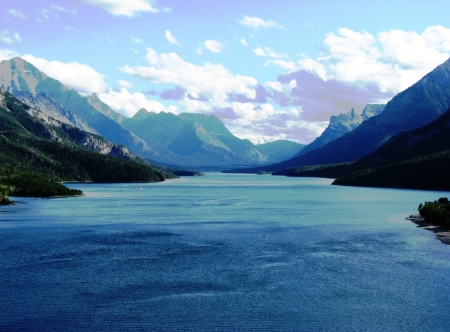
{"x": 442, "y": 233}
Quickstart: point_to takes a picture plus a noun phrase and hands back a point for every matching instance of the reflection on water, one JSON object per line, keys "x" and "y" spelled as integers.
{"x": 222, "y": 252}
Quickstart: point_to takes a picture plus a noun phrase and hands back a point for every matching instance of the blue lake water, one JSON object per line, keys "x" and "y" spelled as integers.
{"x": 223, "y": 252}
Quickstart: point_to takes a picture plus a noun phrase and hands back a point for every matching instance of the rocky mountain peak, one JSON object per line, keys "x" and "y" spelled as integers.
{"x": 17, "y": 74}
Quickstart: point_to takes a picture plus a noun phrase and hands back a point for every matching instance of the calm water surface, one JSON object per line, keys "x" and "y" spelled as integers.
{"x": 223, "y": 253}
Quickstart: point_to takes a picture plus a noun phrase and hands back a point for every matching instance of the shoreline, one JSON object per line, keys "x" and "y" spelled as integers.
{"x": 442, "y": 234}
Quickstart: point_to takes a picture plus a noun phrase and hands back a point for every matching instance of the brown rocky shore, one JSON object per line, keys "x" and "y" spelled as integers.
{"x": 442, "y": 233}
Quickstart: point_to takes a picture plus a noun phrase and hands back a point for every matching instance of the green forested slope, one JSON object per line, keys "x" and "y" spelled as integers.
{"x": 35, "y": 156}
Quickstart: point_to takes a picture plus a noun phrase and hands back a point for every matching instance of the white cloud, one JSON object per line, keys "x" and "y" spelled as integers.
{"x": 125, "y": 84}
{"x": 256, "y": 22}
{"x": 213, "y": 46}
{"x": 210, "y": 81}
{"x": 77, "y": 76}
{"x": 9, "y": 37}
{"x": 392, "y": 60}
{"x": 280, "y": 87}
{"x": 128, "y": 103}
{"x": 128, "y": 8}
{"x": 16, "y": 13}
{"x": 268, "y": 52}
{"x": 63, "y": 9}
{"x": 6, "y": 54}
{"x": 53, "y": 12}
{"x": 262, "y": 123}
{"x": 195, "y": 106}
{"x": 244, "y": 42}
{"x": 136, "y": 40}
{"x": 171, "y": 39}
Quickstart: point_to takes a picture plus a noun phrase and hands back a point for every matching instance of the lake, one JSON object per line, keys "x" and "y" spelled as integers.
{"x": 223, "y": 252}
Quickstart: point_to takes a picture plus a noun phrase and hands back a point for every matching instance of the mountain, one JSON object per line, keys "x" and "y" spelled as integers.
{"x": 342, "y": 124}
{"x": 415, "y": 107}
{"x": 39, "y": 149}
{"x": 280, "y": 150}
{"x": 20, "y": 78}
{"x": 193, "y": 140}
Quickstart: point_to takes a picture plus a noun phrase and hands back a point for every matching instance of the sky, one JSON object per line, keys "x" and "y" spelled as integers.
{"x": 269, "y": 70}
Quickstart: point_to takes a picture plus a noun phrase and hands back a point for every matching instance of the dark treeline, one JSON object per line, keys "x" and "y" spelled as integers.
{"x": 428, "y": 172}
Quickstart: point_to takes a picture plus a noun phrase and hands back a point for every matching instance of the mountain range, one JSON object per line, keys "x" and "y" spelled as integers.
{"x": 189, "y": 140}
{"x": 406, "y": 133}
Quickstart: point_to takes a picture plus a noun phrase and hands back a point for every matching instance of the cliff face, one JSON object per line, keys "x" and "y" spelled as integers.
{"x": 52, "y": 109}
{"x": 342, "y": 124}
{"x": 88, "y": 140}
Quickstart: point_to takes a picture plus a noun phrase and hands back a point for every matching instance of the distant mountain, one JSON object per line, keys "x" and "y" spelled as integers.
{"x": 342, "y": 124}
{"x": 280, "y": 150}
{"x": 415, "y": 107}
{"x": 193, "y": 140}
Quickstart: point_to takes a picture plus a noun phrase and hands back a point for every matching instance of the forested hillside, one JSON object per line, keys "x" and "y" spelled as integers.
{"x": 35, "y": 156}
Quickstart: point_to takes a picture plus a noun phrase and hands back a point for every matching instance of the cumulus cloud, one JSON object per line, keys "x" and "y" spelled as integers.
{"x": 127, "y": 8}
{"x": 256, "y": 22}
{"x": 263, "y": 123}
{"x": 195, "y": 106}
{"x": 244, "y": 42}
{"x": 170, "y": 38}
{"x": 16, "y": 13}
{"x": 77, "y": 76}
{"x": 9, "y": 37}
{"x": 125, "y": 84}
{"x": 129, "y": 104}
{"x": 6, "y": 54}
{"x": 209, "y": 81}
{"x": 268, "y": 52}
{"x": 213, "y": 46}
{"x": 392, "y": 60}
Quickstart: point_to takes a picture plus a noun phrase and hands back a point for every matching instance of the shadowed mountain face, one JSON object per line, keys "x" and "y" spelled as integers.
{"x": 418, "y": 159}
{"x": 342, "y": 124}
{"x": 415, "y": 107}
{"x": 429, "y": 139}
{"x": 192, "y": 140}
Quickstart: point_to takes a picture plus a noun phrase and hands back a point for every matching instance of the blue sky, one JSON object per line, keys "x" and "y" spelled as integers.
{"x": 268, "y": 69}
